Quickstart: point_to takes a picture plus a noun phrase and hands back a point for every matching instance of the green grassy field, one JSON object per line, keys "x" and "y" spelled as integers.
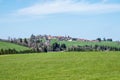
{"x": 83, "y": 43}
{"x": 7, "y": 45}
{"x": 61, "y": 66}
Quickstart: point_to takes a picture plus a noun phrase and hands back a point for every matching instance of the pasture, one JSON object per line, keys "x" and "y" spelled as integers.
{"x": 61, "y": 66}
{"x": 8, "y": 45}
{"x": 83, "y": 43}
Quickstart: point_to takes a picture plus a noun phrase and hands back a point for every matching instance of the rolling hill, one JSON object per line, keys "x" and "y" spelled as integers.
{"x": 8, "y": 45}
{"x": 83, "y": 43}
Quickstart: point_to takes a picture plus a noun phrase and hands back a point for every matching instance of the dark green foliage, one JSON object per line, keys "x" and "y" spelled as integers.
{"x": 109, "y": 40}
{"x": 56, "y": 46}
{"x": 20, "y": 40}
{"x": 45, "y": 49}
{"x": 8, "y": 51}
{"x": 99, "y": 39}
{"x": 104, "y": 39}
{"x": 63, "y": 47}
{"x": 25, "y": 41}
{"x": 1, "y": 51}
{"x": 93, "y": 48}
{"x": 13, "y": 51}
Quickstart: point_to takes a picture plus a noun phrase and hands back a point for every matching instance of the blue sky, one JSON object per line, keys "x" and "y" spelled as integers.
{"x": 87, "y": 19}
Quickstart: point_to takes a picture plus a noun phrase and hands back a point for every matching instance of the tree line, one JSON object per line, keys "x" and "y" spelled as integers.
{"x": 93, "y": 48}
{"x": 61, "y": 47}
{"x": 54, "y": 47}
{"x": 14, "y": 51}
{"x": 39, "y": 44}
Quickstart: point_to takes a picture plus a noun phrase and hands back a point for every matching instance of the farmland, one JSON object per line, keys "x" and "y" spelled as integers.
{"x": 61, "y": 66}
{"x": 8, "y": 45}
{"x": 83, "y": 43}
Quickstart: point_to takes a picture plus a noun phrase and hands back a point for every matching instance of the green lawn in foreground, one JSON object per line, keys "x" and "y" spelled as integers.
{"x": 7, "y": 45}
{"x": 61, "y": 66}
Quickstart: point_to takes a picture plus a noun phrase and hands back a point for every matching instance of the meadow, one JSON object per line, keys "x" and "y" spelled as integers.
{"x": 61, "y": 66}
{"x": 83, "y": 43}
{"x": 8, "y": 45}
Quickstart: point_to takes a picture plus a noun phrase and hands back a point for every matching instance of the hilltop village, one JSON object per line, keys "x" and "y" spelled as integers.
{"x": 48, "y": 43}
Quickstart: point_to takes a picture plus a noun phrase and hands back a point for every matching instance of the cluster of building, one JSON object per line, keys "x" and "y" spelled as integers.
{"x": 60, "y": 38}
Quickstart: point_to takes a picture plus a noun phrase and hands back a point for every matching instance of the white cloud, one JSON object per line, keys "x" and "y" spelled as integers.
{"x": 68, "y": 6}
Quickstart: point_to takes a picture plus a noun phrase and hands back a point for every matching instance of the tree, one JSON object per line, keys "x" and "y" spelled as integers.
{"x": 32, "y": 38}
{"x": 2, "y": 51}
{"x": 56, "y": 46}
{"x": 99, "y": 39}
{"x": 104, "y": 39}
{"x": 109, "y": 39}
{"x": 20, "y": 40}
{"x": 63, "y": 47}
{"x": 25, "y": 41}
{"x": 45, "y": 49}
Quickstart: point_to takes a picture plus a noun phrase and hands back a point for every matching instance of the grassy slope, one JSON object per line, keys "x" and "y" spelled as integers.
{"x": 7, "y": 45}
{"x": 61, "y": 66}
{"x": 82, "y": 43}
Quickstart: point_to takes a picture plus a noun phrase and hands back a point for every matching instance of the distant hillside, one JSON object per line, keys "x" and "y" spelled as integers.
{"x": 8, "y": 45}
{"x": 83, "y": 43}
{"x": 46, "y": 43}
